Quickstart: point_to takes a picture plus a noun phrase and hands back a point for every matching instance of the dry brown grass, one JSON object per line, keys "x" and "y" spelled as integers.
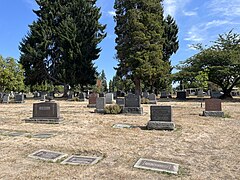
{"x": 205, "y": 147}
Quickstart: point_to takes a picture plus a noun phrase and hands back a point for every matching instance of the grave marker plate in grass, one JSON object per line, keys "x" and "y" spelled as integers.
{"x": 14, "y": 134}
{"x": 157, "y": 165}
{"x": 81, "y": 160}
{"x": 47, "y": 155}
{"x": 43, "y": 135}
{"x": 120, "y": 126}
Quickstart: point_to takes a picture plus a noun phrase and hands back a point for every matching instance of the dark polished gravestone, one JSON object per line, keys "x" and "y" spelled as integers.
{"x": 164, "y": 94}
{"x": 157, "y": 165}
{"x": 92, "y": 100}
{"x": 6, "y": 98}
{"x": 82, "y": 96}
{"x": 47, "y": 155}
{"x": 19, "y": 98}
{"x": 100, "y": 105}
{"x": 81, "y": 160}
{"x": 213, "y": 107}
{"x": 182, "y": 95}
{"x": 120, "y": 101}
{"x": 161, "y": 118}
{"x": 133, "y": 104}
{"x": 45, "y": 112}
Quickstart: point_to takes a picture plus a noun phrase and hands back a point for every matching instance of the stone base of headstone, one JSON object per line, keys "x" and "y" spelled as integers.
{"x": 99, "y": 110}
{"x": 91, "y": 105}
{"x": 82, "y": 100}
{"x": 213, "y": 113}
{"x": 44, "y": 120}
{"x": 160, "y": 125}
{"x": 152, "y": 102}
{"x": 133, "y": 110}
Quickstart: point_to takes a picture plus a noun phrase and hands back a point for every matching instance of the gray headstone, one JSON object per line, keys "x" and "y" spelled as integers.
{"x": 19, "y": 98}
{"x": 6, "y": 98}
{"x": 215, "y": 94}
{"x": 152, "y": 98}
{"x": 132, "y": 100}
{"x": 157, "y": 165}
{"x": 161, "y": 118}
{"x": 92, "y": 100}
{"x": 47, "y": 155}
{"x": 120, "y": 101}
{"x": 145, "y": 94}
{"x": 164, "y": 94}
{"x": 82, "y": 96}
{"x": 81, "y": 160}
{"x": 161, "y": 113}
{"x": 45, "y": 112}
{"x": 100, "y": 104}
{"x": 109, "y": 98}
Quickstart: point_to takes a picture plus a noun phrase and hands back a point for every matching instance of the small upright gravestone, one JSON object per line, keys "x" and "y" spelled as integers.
{"x": 109, "y": 98}
{"x": 100, "y": 104}
{"x": 145, "y": 94}
{"x": 161, "y": 118}
{"x": 133, "y": 104}
{"x": 213, "y": 107}
{"x": 215, "y": 94}
{"x": 92, "y": 100}
{"x": 120, "y": 101}
{"x": 152, "y": 99}
{"x": 46, "y": 113}
{"x": 164, "y": 94}
{"x": 19, "y": 98}
{"x": 6, "y": 98}
{"x": 182, "y": 95}
{"x": 82, "y": 96}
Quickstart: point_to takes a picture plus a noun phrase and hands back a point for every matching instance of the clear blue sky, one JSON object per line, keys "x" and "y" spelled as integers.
{"x": 199, "y": 21}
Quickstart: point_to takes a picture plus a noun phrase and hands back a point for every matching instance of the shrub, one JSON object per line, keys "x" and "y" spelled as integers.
{"x": 112, "y": 109}
{"x": 144, "y": 101}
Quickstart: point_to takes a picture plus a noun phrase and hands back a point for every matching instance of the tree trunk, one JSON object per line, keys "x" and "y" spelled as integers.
{"x": 66, "y": 90}
{"x": 137, "y": 83}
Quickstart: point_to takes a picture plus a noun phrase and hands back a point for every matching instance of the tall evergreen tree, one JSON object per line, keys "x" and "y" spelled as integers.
{"x": 62, "y": 44}
{"x": 139, "y": 30}
{"x": 103, "y": 78}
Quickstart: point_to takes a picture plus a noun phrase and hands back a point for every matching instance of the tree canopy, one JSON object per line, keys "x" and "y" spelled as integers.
{"x": 11, "y": 75}
{"x": 221, "y": 63}
{"x": 62, "y": 44}
{"x": 139, "y": 30}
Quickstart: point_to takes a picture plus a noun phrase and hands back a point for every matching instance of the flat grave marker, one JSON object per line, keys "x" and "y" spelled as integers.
{"x": 43, "y": 135}
{"x": 157, "y": 165}
{"x": 47, "y": 155}
{"x": 81, "y": 160}
{"x": 14, "y": 134}
{"x": 121, "y": 126}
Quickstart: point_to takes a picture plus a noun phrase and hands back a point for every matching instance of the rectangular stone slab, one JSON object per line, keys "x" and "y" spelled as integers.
{"x": 213, "y": 105}
{"x": 47, "y": 155}
{"x": 81, "y": 160}
{"x": 120, "y": 126}
{"x": 161, "y": 113}
{"x": 157, "y": 165}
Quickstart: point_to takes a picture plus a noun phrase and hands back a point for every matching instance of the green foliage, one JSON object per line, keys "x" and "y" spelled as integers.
{"x": 11, "y": 75}
{"x": 103, "y": 78}
{"x": 62, "y": 43}
{"x": 44, "y": 86}
{"x": 113, "y": 109}
{"x": 221, "y": 63}
{"x": 139, "y": 41}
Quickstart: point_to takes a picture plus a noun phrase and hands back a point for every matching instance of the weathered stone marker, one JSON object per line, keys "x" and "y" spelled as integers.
{"x": 161, "y": 118}
{"x": 81, "y": 160}
{"x": 6, "y": 98}
{"x": 133, "y": 104}
{"x": 109, "y": 98}
{"x": 213, "y": 107}
{"x": 82, "y": 96}
{"x": 45, "y": 112}
{"x": 100, "y": 104}
{"x": 121, "y": 126}
{"x": 120, "y": 101}
{"x": 19, "y": 98}
{"x": 152, "y": 99}
{"x": 47, "y": 155}
{"x": 157, "y": 165}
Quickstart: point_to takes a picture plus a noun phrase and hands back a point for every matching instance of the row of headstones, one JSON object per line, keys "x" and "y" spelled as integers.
{"x": 18, "y": 98}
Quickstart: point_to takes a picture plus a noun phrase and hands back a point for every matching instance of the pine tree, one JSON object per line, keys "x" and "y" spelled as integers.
{"x": 63, "y": 43}
{"x": 139, "y": 30}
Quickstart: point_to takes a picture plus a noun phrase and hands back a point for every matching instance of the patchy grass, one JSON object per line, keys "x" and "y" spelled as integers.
{"x": 204, "y": 147}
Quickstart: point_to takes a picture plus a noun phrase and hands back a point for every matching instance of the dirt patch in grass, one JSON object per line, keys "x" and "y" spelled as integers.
{"x": 204, "y": 147}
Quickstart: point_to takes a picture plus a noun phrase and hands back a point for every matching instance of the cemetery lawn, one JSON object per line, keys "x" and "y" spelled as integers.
{"x": 204, "y": 147}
